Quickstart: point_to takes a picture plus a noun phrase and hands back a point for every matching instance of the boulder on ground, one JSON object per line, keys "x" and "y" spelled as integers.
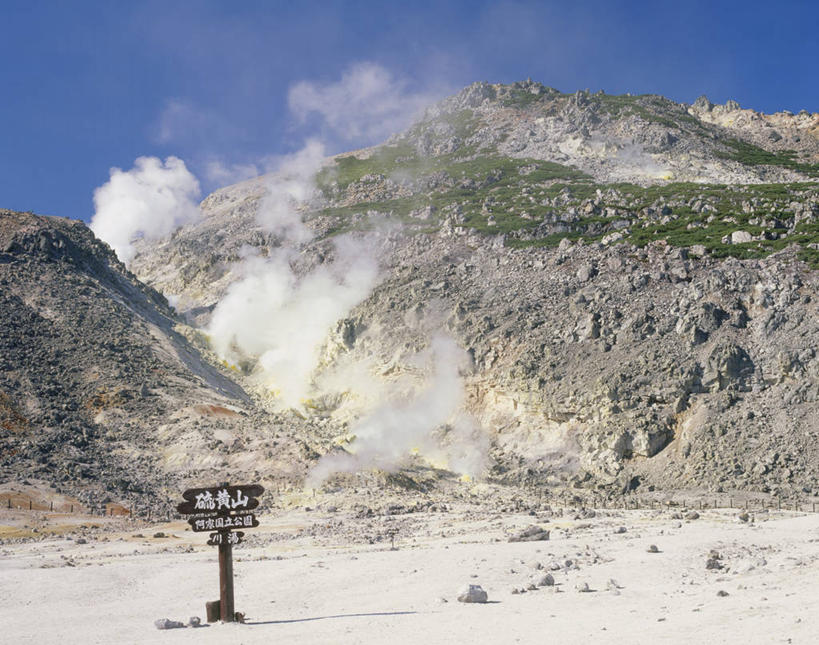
{"x": 546, "y": 580}
{"x": 167, "y": 623}
{"x": 472, "y": 593}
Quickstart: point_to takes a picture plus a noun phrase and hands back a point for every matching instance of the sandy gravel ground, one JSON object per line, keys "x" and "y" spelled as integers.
{"x": 312, "y": 577}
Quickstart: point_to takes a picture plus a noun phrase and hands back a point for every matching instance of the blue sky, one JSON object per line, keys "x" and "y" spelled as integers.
{"x": 91, "y": 85}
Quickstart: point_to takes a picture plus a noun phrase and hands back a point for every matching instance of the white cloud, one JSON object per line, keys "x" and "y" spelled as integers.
{"x": 367, "y": 103}
{"x": 151, "y": 200}
{"x": 222, "y": 174}
{"x": 184, "y": 122}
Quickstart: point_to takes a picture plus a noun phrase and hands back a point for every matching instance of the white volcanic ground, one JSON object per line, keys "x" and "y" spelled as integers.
{"x": 314, "y": 577}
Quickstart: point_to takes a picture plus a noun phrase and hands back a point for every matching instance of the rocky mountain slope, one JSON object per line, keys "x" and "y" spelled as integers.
{"x": 631, "y": 283}
{"x": 99, "y": 394}
{"x": 633, "y": 279}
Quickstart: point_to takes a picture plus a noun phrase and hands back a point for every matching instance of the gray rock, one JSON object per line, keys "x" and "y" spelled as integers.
{"x": 714, "y": 561}
{"x": 472, "y": 594}
{"x": 531, "y": 534}
{"x": 166, "y": 623}
{"x": 546, "y": 580}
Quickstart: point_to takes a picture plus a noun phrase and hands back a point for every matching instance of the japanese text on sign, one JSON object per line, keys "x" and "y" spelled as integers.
{"x": 206, "y": 501}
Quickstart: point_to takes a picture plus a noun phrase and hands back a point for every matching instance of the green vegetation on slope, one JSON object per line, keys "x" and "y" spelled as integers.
{"x": 751, "y": 155}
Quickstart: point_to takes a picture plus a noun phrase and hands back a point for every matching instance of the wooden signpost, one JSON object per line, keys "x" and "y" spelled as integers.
{"x": 220, "y": 510}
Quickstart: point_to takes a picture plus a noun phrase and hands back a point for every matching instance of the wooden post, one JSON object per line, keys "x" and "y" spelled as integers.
{"x": 52, "y": 505}
{"x": 29, "y": 504}
{"x": 779, "y": 501}
{"x": 72, "y": 508}
{"x": 212, "y": 611}
{"x": 226, "y": 581}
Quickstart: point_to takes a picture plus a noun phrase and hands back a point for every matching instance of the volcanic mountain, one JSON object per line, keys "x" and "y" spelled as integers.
{"x": 629, "y": 285}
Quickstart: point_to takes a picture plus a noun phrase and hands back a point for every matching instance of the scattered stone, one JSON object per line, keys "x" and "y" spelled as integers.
{"x": 582, "y": 587}
{"x": 81, "y": 541}
{"x": 194, "y": 621}
{"x": 547, "y": 580}
{"x": 159, "y": 534}
{"x": 722, "y": 593}
{"x": 531, "y": 534}
{"x": 620, "y": 529}
{"x": 713, "y": 563}
{"x": 692, "y": 515}
{"x": 743, "y": 516}
{"x": 472, "y": 593}
{"x": 531, "y": 587}
{"x": 166, "y": 623}
{"x": 653, "y": 549}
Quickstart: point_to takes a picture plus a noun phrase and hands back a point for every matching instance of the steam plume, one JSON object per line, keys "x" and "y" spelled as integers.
{"x": 150, "y": 200}
{"x": 292, "y": 184}
{"x": 424, "y": 421}
{"x": 282, "y": 319}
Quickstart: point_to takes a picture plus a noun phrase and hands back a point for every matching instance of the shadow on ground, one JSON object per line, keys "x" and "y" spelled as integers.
{"x": 307, "y": 620}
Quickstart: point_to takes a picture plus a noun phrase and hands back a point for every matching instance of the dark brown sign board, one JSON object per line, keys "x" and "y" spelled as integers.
{"x": 222, "y": 509}
{"x": 223, "y": 522}
{"x": 220, "y": 499}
